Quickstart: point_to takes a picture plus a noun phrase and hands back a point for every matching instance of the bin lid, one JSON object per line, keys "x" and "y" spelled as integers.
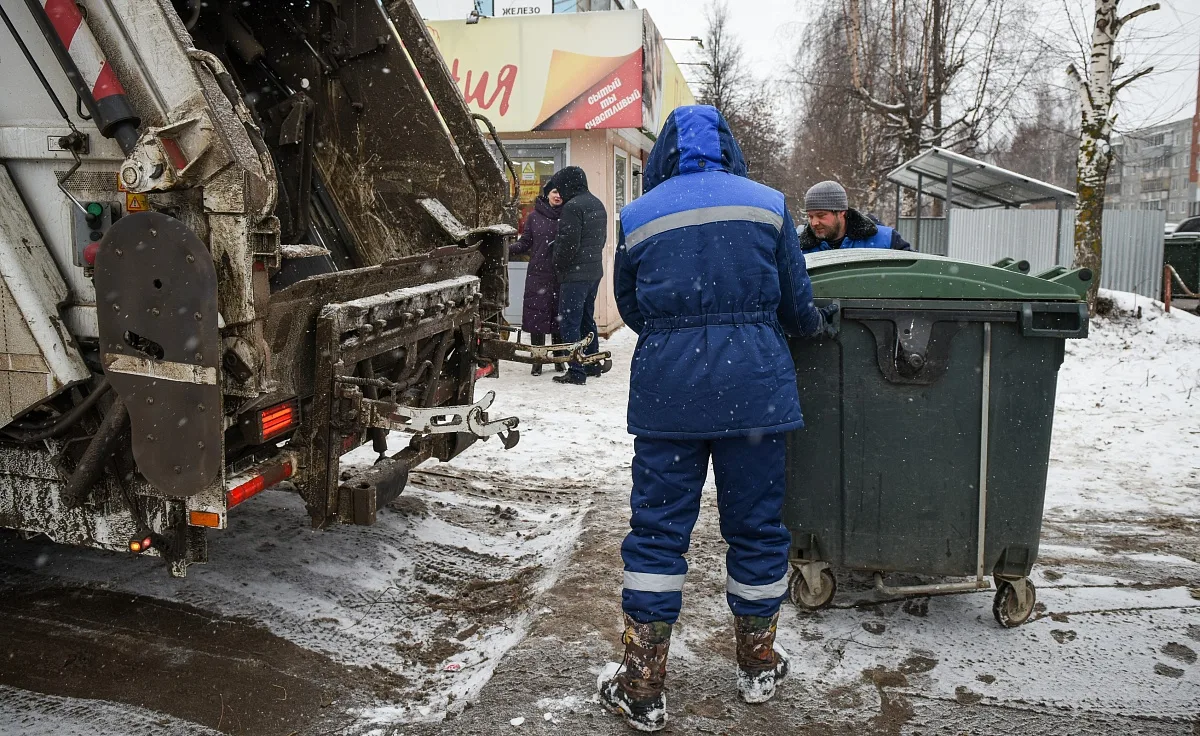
{"x": 867, "y": 273}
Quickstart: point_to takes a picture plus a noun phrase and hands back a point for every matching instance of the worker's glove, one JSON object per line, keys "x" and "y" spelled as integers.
{"x": 829, "y": 320}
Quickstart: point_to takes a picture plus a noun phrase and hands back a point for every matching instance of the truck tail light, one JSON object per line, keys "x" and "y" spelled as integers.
{"x": 141, "y": 544}
{"x": 269, "y": 476}
{"x": 267, "y": 424}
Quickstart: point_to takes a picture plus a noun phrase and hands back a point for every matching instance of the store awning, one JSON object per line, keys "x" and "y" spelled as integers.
{"x": 970, "y": 183}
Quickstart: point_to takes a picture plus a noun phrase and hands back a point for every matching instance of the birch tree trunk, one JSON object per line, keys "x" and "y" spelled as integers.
{"x": 1096, "y": 92}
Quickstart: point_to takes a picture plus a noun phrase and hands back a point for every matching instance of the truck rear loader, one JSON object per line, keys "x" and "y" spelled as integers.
{"x": 237, "y": 241}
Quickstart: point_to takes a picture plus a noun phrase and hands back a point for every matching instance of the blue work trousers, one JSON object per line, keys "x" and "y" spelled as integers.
{"x": 667, "y": 478}
{"x": 577, "y": 318}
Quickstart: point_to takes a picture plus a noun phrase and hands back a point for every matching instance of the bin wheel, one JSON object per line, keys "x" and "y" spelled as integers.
{"x": 803, "y": 597}
{"x": 1008, "y": 608}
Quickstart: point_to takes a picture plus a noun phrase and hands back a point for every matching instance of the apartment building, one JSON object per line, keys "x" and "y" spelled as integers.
{"x": 1155, "y": 169}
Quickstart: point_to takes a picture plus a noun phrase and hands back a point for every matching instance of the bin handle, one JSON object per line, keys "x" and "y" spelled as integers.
{"x": 1030, "y": 309}
{"x": 837, "y": 316}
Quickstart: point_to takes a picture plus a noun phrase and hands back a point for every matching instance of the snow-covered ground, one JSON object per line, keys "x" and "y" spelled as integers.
{"x": 470, "y": 542}
{"x": 1127, "y": 424}
{"x": 1117, "y": 627}
{"x": 475, "y": 542}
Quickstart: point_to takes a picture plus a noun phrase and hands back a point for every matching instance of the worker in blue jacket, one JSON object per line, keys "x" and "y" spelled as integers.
{"x": 833, "y": 225}
{"x": 710, "y": 274}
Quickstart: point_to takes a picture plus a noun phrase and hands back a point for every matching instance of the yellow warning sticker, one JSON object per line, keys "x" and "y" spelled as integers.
{"x": 136, "y": 202}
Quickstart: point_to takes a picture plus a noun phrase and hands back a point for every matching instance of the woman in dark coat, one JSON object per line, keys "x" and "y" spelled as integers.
{"x": 539, "y": 310}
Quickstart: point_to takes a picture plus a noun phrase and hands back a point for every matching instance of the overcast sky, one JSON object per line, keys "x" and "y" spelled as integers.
{"x": 1168, "y": 38}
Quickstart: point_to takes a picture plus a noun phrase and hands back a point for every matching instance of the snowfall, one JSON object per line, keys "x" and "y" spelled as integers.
{"x": 1116, "y": 632}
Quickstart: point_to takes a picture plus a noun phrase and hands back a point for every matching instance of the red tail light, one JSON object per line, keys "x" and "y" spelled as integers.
{"x": 268, "y": 477}
{"x": 141, "y": 545}
{"x": 269, "y": 423}
{"x": 485, "y": 370}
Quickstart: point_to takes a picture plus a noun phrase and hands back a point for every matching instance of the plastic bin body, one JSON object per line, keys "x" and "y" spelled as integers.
{"x": 886, "y": 474}
{"x": 1182, "y": 252}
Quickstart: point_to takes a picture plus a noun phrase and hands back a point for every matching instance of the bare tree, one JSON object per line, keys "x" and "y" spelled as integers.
{"x": 834, "y": 135}
{"x": 749, "y": 105}
{"x": 758, "y": 129}
{"x": 1096, "y": 93}
{"x": 949, "y": 68}
{"x": 1044, "y": 138}
{"x": 724, "y": 79}
{"x": 880, "y": 80}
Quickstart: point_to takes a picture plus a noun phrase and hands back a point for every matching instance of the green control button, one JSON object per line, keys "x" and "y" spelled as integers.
{"x": 95, "y": 209}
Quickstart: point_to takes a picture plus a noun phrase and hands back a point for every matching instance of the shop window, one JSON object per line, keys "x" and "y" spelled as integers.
{"x": 620, "y": 180}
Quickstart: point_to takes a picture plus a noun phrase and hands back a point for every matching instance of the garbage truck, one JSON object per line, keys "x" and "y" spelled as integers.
{"x": 238, "y": 241}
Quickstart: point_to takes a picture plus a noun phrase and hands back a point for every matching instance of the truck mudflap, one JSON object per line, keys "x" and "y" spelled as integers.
{"x": 156, "y": 294}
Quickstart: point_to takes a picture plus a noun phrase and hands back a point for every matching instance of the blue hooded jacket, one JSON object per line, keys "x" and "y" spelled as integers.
{"x": 710, "y": 273}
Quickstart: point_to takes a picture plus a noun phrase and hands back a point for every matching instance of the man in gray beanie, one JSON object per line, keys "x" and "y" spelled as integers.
{"x": 833, "y": 224}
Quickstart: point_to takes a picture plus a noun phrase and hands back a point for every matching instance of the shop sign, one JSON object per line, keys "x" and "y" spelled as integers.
{"x": 511, "y": 8}
{"x": 567, "y": 71}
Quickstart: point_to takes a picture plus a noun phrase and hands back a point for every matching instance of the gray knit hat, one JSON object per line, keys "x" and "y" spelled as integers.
{"x": 826, "y": 195}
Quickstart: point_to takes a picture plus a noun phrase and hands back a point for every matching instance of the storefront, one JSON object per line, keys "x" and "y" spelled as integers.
{"x": 571, "y": 89}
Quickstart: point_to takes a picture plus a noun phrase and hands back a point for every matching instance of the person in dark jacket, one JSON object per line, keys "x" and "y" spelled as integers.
{"x": 832, "y": 224}
{"x": 539, "y": 308}
{"x": 710, "y": 275}
{"x": 579, "y": 264}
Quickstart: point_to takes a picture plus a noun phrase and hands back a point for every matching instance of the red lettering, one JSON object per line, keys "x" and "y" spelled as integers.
{"x": 505, "y": 83}
{"x": 479, "y": 93}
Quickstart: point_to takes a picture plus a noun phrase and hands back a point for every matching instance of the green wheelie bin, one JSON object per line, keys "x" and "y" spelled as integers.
{"x": 927, "y": 423}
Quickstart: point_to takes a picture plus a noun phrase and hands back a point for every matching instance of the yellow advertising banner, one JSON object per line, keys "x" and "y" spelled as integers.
{"x": 568, "y": 71}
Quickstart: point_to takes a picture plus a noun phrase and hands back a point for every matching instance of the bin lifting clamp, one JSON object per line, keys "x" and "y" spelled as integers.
{"x": 469, "y": 419}
{"x": 519, "y": 352}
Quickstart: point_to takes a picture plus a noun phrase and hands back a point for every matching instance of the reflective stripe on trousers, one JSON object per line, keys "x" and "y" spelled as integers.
{"x": 668, "y": 476}
{"x": 756, "y": 592}
{"x": 651, "y": 583}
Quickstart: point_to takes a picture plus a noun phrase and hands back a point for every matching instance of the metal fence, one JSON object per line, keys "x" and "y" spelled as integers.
{"x": 986, "y": 236}
{"x": 933, "y": 238}
{"x": 1133, "y": 243}
{"x": 1133, "y": 251}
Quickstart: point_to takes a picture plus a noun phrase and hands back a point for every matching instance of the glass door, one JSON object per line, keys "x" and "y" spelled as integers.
{"x": 535, "y": 165}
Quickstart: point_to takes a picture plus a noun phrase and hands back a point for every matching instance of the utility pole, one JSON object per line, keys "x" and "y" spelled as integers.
{"x": 1194, "y": 159}
{"x": 937, "y": 85}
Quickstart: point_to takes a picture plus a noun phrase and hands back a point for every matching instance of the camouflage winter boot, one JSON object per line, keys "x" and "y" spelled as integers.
{"x": 761, "y": 662}
{"x": 634, "y": 688}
